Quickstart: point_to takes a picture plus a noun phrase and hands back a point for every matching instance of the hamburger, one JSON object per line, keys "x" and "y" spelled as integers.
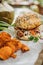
{"x": 27, "y": 25}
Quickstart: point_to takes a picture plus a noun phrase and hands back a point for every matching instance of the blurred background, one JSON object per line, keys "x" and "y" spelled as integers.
{"x": 35, "y": 5}
{"x": 9, "y": 8}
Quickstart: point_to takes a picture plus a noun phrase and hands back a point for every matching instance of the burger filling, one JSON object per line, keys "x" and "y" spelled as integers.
{"x": 36, "y": 32}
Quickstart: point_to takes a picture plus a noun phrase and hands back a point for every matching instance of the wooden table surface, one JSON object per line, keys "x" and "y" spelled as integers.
{"x": 40, "y": 59}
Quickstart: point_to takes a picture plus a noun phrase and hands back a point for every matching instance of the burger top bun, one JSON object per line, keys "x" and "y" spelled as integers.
{"x": 28, "y": 21}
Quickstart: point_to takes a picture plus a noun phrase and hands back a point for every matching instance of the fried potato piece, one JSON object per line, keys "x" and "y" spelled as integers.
{"x": 5, "y": 36}
{"x": 19, "y": 46}
{"x": 10, "y": 44}
{"x": 5, "y": 52}
{"x": 14, "y": 44}
{"x": 13, "y": 55}
{"x": 1, "y": 43}
{"x": 15, "y": 41}
{"x": 24, "y": 48}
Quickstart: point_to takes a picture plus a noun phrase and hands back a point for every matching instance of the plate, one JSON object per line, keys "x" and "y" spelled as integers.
{"x": 28, "y": 58}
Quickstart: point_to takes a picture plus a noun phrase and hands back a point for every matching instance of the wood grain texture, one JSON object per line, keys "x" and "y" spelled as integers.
{"x": 40, "y": 59}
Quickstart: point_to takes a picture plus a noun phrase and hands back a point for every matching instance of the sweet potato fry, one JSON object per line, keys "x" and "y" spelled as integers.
{"x": 5, "y": 36}
{"x": 1, "y": 43}
{"x": 24, "y": 48}
{"x": 13, "y": 55}
{"x": 15, "y": 43}
{"x": 10, "y": 44}
{"x": 19, "y": 46}
{"x": 5, "y": 52}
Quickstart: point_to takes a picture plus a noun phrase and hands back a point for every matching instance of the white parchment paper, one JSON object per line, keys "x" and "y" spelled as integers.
{"x": 28, "y": 58}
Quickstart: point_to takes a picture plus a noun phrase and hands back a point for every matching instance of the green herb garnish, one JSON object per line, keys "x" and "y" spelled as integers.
{"x": 36, "y": 39}
{"x": 31, "y": 38}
